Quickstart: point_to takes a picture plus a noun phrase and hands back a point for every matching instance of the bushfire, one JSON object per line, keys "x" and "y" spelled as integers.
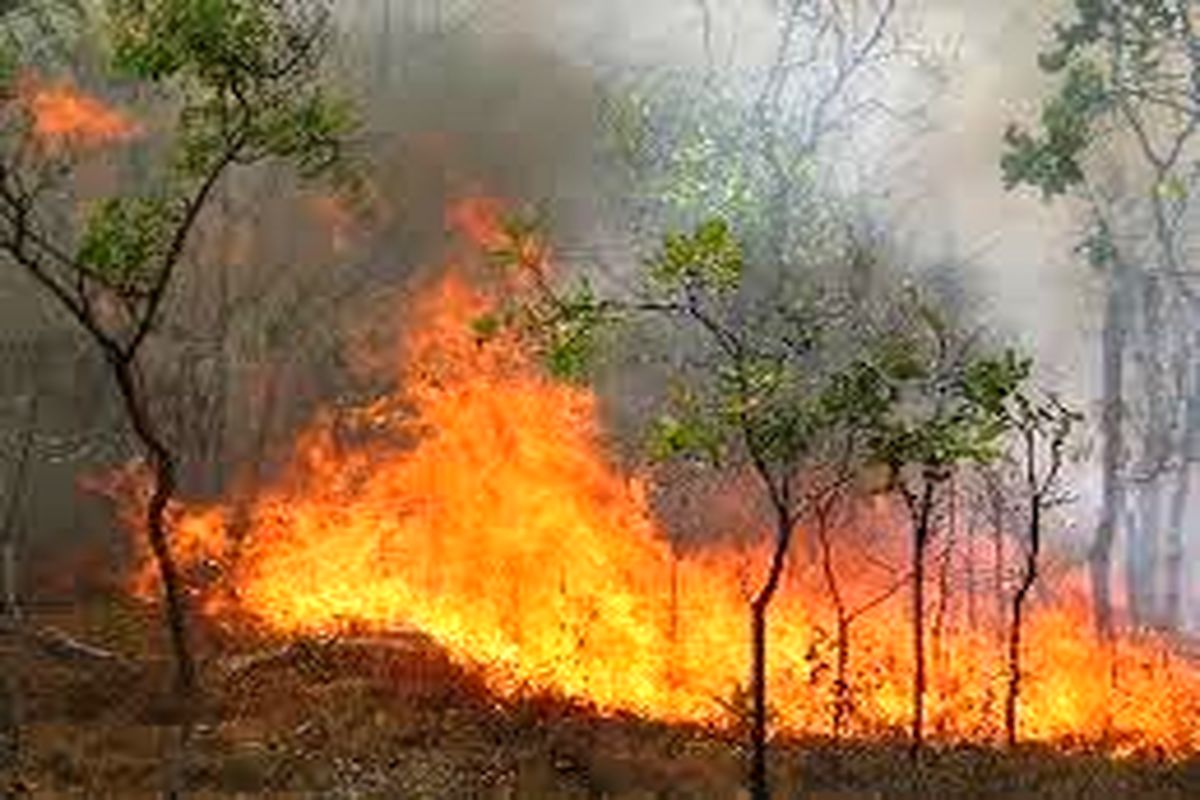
{"x": 492, "y": 519}
{"x": 63, "y": 116}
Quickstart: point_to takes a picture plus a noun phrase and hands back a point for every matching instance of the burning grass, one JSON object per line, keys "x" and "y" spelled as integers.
{"x": 495, "y": 523}
{"x": 395, "y": 717}
{"x": 563, "y": 636}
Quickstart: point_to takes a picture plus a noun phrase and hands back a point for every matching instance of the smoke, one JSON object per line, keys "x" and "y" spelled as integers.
{"x": 508, "y": 97}
{"x": 518, "y": 84}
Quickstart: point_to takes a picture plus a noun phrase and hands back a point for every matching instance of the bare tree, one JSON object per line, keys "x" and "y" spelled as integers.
{"x": 1042, "y": 430}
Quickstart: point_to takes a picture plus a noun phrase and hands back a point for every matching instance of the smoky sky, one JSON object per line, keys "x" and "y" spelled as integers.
{"x": 969, "y": 68}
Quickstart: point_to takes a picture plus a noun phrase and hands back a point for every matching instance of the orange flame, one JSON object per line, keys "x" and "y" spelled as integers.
{"x": 501, "y": 529}
{"x": 64, "y": 116}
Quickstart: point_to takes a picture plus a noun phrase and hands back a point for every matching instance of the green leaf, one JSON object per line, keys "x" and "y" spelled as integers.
{"x": 1050, "y": 161}
{"x": 570, "y": 327}
{"x": 487, "y": 326}
{"x": 123, "y": 239}
{"x": 709, "y": 256}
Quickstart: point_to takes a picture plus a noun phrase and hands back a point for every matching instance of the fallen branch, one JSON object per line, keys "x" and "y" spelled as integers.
{"x": 56, "y": 644}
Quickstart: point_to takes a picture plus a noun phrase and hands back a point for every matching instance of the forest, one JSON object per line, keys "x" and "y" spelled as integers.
{"x": 563, "y": 399}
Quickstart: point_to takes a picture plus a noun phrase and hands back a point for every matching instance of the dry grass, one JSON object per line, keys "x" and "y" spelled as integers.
{"x": 396, "y": 719}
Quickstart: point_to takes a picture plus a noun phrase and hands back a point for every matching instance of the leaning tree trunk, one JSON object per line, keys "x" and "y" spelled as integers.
{"x": 1111, "y": 425}
{"x": 162, "y": 464}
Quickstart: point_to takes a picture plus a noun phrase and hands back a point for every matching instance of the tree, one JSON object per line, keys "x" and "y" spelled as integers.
{"x": 687, "y": 148}
{"x": 793, "y": 381}
{"x": 824, "y": 508}
{"x": 1042, "y": 429}
{"x": 757, "y": 386}
{"x": 243, "y": 77}
{"x": 949, "y": 409}
{"x": 1120, "y": 132}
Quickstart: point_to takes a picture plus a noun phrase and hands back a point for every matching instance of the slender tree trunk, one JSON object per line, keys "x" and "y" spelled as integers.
{"x": 998, "y": 555}
{"x": 758, "y": 783}
{"x": 921, "y": 536}
{"x": 1132, "y": 528}
{"x": 1148, "y": 588}
{"x": 1142, "y": 551}
{"x": 10, "y": 684}
{"x": 1172, "y": 618}
{"x": 1176, "y": 542}
{"x": 10, "y": 687}
{"x": 972, "y": 589}
{"x": 11, "y": 696}
{"x": 841, "y": 684}
{"x": 943, "y": 609}
{"x": 1028, "y": 577}
{"x": 1111, "y": 423}
{"x": 162, "y": 464}
{"x": 759, "y": 786}
{"x": 841, "y": 679}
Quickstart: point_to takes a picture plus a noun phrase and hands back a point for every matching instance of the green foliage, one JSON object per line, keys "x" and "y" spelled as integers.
{"x": 1144, "y": 24}
{"x": 125, "y": 240}
{"x": 627, "y": 123}
{"x": 307, "y": 133}
{"x": 1098, "y": 248}
{"x": 247, "y": 72}
{"x": 1133, "y": 54}
{"x": 1050, "y": 161}
{"x": 521, "y": 246}
{"x": 921, "y": 397}
{"x": 687, "y": 429}
{"x": 691, "y": 153}
{"x": 487, "y": 326}
{"x": 155, "y": 40}
{"x": 9, "y": 64}
{"x": 960, "y": 416}
{"x": 40, "y": 32}
{"x": 771, "y": 387}
{"x": 987, "y": 383}
{"x": 861, "y": 395}
{"x": 244, "y": 79}
{"x": 702, "y": 181}
{"x": 710, "y": 257}
{"x": 572, "y": 332}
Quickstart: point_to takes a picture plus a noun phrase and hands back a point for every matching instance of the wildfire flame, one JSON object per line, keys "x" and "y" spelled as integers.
{"x": 63, "y": 116}
{"x": 495, "y": 523}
